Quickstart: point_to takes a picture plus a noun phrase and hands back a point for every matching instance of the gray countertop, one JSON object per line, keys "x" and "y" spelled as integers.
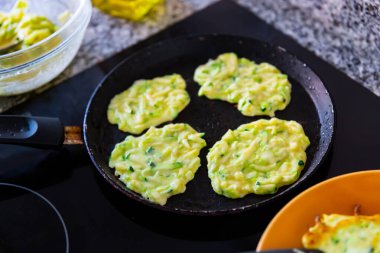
{"x": 344, "y": 33}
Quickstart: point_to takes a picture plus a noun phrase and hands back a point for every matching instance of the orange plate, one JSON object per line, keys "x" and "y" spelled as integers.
{"x": 336, "y": 195}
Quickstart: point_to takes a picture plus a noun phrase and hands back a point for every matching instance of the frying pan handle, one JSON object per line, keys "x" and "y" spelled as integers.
{"x": 39, "y": 132}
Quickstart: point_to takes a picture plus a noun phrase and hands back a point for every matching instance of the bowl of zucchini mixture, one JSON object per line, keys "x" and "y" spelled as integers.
{"x": 38, "y": 40}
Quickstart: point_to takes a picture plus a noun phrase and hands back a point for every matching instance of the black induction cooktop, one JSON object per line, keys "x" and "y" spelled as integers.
{"x": 99, "y": 219}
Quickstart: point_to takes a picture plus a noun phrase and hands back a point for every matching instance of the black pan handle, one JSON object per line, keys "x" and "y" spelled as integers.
{"x": 39, "y": 132}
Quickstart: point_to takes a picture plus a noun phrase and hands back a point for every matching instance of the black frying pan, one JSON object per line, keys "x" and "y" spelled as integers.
{"x": 311, "y": 106}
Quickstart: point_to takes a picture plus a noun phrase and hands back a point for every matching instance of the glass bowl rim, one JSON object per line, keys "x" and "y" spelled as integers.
{"x": 73, "y": 17}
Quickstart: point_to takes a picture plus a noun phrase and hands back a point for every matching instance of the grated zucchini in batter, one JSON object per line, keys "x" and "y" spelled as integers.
{"x": 258, "y": 157}
{"x": 336, "y": 233}
{"x": 257, "y": 89}
{"x": 159, "y": 163}
{"x": 148, "y": 103}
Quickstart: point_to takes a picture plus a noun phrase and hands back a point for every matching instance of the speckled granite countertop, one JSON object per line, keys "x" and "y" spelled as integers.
{"x": 345, "y": 33}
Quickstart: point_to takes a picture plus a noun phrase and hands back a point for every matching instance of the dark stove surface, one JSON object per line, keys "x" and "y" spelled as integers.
{"x": 99, "y": 219}
{"x": 29, "y": 221}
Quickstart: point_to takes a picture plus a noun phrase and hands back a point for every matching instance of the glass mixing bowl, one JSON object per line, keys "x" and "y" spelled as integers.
{"x": 32, "y": 67}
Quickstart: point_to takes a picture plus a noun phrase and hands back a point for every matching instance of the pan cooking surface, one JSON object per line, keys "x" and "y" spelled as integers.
{"x": 311, "y": 106}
